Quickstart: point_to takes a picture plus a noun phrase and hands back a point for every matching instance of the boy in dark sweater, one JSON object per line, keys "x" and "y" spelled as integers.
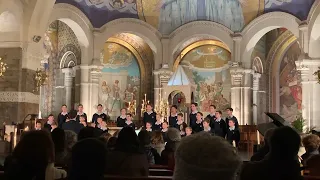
{"x": 62, "y": 117}
{"x": 149, "y": 115}
{"x": 193, "y": 114}
{"x": 206, "y": 126}
{"x": 219, "y": 126}
{"x": 231, "y": 117}
{"x": 233, "y": 134}
{"x": 212, "y": 114}
{"x": 173, "y": 116}
{"x": 197, "y": 127}
{"x": 99, "y": 113}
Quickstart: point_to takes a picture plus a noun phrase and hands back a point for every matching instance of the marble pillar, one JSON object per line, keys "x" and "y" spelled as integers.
{"x": 255, "y": 97}
{"x": 310, "y": 91}
{"x": 69, "y": 74}
{"x": 241, "y": 94}
{"x": 162, "y": 77}
{"x": 85, "y": 89}
{"x": 95, "y": 74}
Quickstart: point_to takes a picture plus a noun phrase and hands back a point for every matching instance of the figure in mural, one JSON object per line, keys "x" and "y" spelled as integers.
{"x": 175, "y": 13}
{"x": 269, "y": 3}
{"x": 116, "y": 90}
{"x": 105, "y": 88}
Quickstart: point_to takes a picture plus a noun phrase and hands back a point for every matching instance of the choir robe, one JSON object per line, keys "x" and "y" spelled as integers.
{"x": 85, "y": 117}
{"x": 219, "y": 128}
{"x": 96, "y": 115}
{"x": 235, "y": 120}
{"x": 233, "y": 134}
{"x": 130, "y": 125}
{"x": 212, "y": 119}
{"x": 121, "y": 122}
{"x": 197, "y": 127}
{"x": 62, "y": 119}
{"x": 193, "y": 118}
{"x": 149, "y": 117}
{"x": 164, "y": 135}
{"x": 173, "y": 120}
{"x": 157, "y": 127}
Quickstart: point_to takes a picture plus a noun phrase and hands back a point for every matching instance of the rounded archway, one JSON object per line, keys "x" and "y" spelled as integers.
{"x": 178, "y": 98}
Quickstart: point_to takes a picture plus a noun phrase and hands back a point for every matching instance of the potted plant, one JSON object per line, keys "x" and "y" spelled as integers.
{"x": 299, "y": 124}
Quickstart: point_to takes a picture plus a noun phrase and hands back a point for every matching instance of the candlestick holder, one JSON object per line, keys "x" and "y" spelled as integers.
{"x": 162, "y": 108}
{"x": 132, "y": 107}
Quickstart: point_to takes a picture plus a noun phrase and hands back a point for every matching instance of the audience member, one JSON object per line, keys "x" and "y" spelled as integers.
{"x": 202, "y": 156}
{"x": 72, "y": 124}
{"x": 106, "y": 136}
{"x": 282, "y": 160}
{"x": 122, "y": 118}
{"x": 88, "y": 132}
{"x": 264, "y": 150}
{"x": 54, "y": 125}
{"x": 157, "y": 141}
{"x": 33, "y": 158}
{"x": 88, "y": 161}
{"x": 58, "y": 138}
{"x": 167, "y": 155}
{"x": 111, "y": 144}
{"x": 128, "y": 159}
{"x": 145, "y": 142}
{"x": 311, "y": 144}
{"x": 70, "y": 140}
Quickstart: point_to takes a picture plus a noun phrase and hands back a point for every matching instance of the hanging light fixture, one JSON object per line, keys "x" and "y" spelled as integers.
{"x": 40, "y": 79}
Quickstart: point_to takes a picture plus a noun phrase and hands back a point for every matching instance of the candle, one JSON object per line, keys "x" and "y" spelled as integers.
{"x": 15, "y": 137}
{"x": 145, "y": 97}
{"x": 148, "y": 101}
{"x": 258, "y": 137}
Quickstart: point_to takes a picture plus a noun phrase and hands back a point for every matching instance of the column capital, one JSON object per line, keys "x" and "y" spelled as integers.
{"x": 308, "y": 67}
{"x": 69, "y": 72}
{"x": 237, "y": 37}
{"x": 303, "y": 26}
{"x": 164, "y": 72}
{"x": 237, "y": 75}
{"x": 256, "y": 80}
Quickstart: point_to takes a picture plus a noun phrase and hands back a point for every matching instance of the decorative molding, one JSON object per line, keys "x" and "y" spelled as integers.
{"x": 237, "y": 75}
{"x": 21, "y": 97}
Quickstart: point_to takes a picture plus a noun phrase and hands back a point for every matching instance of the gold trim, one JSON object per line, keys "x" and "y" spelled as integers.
{"x": 133, "y": 51}
{"x": 186, "y": 50}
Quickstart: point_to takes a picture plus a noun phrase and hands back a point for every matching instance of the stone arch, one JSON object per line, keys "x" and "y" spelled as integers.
{"x": 137, "y": 27}
{"x": 257, "y": 28}
{"x": 75, "y": 19}
{"x": 314, "y": 30}
{"x": 210, "y": 30}
{"x": 257, "y": 65}
{"x": 66, "y": 51}
{"x": 68, "y": 60}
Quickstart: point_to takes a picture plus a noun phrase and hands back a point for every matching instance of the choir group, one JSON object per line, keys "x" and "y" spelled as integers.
{"x": 213, "y": 123}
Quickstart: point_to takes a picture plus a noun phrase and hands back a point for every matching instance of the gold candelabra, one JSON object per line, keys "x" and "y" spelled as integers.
{"x": 145, "y": 102}
{"x": 162, "y": 108}
{"x": 3, "y": 67}
{"x": 132, "y": 107}
{"x": 40, "y": 79}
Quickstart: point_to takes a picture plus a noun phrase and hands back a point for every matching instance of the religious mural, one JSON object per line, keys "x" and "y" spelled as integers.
{"x": 167, "y": 15}
{"x": 120, "y": 81}
{"x": 207, "y": 67}
{"x": 290, "y": 84}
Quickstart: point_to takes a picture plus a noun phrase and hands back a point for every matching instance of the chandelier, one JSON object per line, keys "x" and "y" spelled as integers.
{"x": 40, "y": 79}
{"x": 3, "y": 67}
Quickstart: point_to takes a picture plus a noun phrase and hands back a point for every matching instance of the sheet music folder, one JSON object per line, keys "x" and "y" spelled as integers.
{"x": 277, "y": 121}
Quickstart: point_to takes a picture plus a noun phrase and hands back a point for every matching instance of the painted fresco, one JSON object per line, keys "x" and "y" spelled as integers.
{"x": 290, "y": 84}
{"x": 207, "y": 67}
{"x": 120, "y": 81}
{"x": 167, "y": 15}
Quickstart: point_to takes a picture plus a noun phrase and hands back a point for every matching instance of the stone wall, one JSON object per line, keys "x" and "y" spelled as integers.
{"x": 17, "y": 98}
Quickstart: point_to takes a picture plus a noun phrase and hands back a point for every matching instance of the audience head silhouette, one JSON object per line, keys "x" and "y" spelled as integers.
{"x": 88, "y": 132}
{"x": 284, "y": 143}
{"x": 71, "y": 139}
{"x": 88, "y": 160}
{"x": 144, "y": 138}
{"x": 31, "y": 156}
{"x": 173, "y": 134}
{"x": 127, "y": 140}
{"x": 72, "y": 114}
{"x": 203, "y": 156}
{"x": 58, "y": 138}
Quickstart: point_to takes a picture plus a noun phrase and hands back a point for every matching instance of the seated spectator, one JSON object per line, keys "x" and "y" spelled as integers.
{"x": 311, "y": 144}
{"x": 203, "y": 157}
{"x": 145, "y": 141}
{"x": 70, "y": 141}
{"x": 188, "y": 131}
{"x": 88, "y": 160}
{"x": 33, "y": 158}
{"x": 54, "y": 125}
{"x": 111, "y": 144}
{"x": 58, "y": 138}
{"x": 72, "y": 124}
{"x": 89, "y": 132}
{"x": 157, "y": 141}
{"x": 128, "y": 159}
{"x": 313, "y": 165}
{"x": 264, "y": 150}
{"x": 167, "y": 155}
{"x": 281, "y": 162}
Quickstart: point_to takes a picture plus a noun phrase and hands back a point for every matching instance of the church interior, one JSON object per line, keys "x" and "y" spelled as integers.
{"x": 253, "y": 57}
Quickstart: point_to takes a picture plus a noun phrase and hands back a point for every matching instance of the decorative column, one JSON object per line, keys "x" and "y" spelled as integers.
{"x": 69, "y": 74}
{"x": 310, "y": 91}
{"x": 255, "y": 97}
{"x": 241, "y": 94}
{"x": 95, "y": 74}
{"x": 85, "y": 89}
{"x": 161, "y": 78}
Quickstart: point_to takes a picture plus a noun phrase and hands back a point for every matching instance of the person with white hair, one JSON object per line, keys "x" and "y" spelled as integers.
{"x": 203, "y": 156}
